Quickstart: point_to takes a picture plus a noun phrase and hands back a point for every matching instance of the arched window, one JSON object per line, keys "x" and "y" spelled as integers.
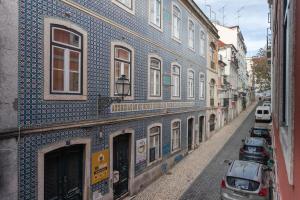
{"x": 212, "y": 122}
{"x": 191, "y": 34}
{"x": 201, "y": 86}
{"x": 176, "y": 80}
{"x": 191, "y": 84}
{"x": 154, "y": 143}
{"x": 176, "y": 22}
{"x": 155, "y": 77}
{"x": 212, "y": 92}
{"x": 176, "y": 135}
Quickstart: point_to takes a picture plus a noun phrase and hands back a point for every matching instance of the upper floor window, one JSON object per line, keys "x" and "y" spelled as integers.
{"x": 66, "y": 62}
{"x": 156, "y": 13}
{"x": 212, "y": 92}
{"x": 175, "y": 135}
{"x": 212, "y": 55}
{"x": 176, "y": 81}
{"x": 122, "y": 65}
{"x": 155, "y": 77}
{"x": 176, "y": 22}
{"x": 190, "y": 84}
{"x": 127, "y": 5}
{"x": 202, "y": 43}
{"x": 201, "y": 85}
{"x": 154, "y": 151}
{"x": 191, "y": 34}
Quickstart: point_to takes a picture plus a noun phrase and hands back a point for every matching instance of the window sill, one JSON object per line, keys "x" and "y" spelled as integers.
{"x": 175, "y": 151}
{"x": 154, "y": 98}
{"x": 176, "y": 39}
{"x": 156, "y": 27}
{"x": 175, "y": 98}
{"x": 131, "y": 11}
{"x": 156, "y": 162}
{"x": 191, "y": 49}
{"x": 64, "y": 97}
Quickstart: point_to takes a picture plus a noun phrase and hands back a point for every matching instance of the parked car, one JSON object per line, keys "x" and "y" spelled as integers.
{"x": 246, "y": 180}
{"x": 267, "y": 103}
{"x": 261, "y": 132}
{"x": 255, "y": 149}
{"x": 263, "y": 113}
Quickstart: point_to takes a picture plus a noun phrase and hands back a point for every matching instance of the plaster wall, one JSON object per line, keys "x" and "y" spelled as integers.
{"x": 8, "y": 64}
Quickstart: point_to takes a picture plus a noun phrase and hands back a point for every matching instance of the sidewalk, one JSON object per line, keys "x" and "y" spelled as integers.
{"x": 182, "y": 175}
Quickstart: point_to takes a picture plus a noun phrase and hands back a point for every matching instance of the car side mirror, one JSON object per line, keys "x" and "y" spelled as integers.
{"x": 270, "y": 163}
{"x": 243, "y": 140}
{"x": 228, "y": 162}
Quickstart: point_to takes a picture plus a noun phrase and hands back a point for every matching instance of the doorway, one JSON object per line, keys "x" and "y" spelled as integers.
{"x": 63, "y": 173}
{"x": 201, "y": 126}
{"x": 121, "y": 166}
{"x": 190, "y": 133}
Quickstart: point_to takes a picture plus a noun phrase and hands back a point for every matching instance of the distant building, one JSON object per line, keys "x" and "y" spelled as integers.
{"x": 285, "y": 61}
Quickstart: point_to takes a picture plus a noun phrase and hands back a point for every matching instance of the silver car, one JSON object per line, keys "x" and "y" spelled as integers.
{"x": 246, "y": 180}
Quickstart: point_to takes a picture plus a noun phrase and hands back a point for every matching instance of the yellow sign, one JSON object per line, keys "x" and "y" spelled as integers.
{"x": 100, "y": 166}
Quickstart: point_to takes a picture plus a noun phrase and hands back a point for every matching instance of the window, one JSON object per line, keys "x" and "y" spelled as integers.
{"x": 212, "y": 122}
{"x": 202, "y": 43}
{"x": 65, "y": 60}
{"x": 191, "y": 35}
{"x": 190, "y": 84}
{"x": 201, "y": 85}
{"x": 212, "y": 92}
{"x": 154, "y": 153}
{"x": 176, "y": 81}
{"x": 155, "y": 77}
{"x": 175, "y": 127}
{"x": 127, "y": 5}
{"x": 66, "y": 67}
{"x": 156, "y": 13}
{"x": 176, "y": 22}
{"x": 122, "y": 65}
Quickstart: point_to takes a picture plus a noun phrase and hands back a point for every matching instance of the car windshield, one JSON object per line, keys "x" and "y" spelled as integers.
{"x": 259, "y": 112}
{"x": 266, "y": 112}
{"x": 259, "y": 132}
{"x": 243, "y": 184}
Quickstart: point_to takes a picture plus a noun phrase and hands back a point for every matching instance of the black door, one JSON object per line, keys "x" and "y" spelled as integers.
{"x": 63, "y": 174}
{"x": 190, "y": 133}
{"x": 121, "y": 164}
{"x": 201, "y": 120}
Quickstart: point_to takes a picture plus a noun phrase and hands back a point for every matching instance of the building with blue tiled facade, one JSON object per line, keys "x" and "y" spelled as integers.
{"x": 60, "y": 137}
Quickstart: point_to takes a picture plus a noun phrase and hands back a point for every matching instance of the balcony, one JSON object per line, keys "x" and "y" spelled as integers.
{"x": 212, "y": 102}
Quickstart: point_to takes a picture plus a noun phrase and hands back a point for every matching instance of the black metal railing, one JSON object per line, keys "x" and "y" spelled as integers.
{"x": 225, "y": 102}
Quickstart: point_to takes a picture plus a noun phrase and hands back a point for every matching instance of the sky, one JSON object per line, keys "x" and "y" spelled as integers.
{"x": 253, "y": 19}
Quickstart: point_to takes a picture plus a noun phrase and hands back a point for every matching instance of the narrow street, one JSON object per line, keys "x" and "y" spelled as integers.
{"x": 207, "y": 184}
{"x": 198, "y": 175}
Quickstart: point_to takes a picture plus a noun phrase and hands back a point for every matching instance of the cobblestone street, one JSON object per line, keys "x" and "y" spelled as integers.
{"x": 198, "y": 175}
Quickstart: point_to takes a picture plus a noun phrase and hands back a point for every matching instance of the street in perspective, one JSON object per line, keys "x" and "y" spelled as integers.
{"x": 149, "y": 100}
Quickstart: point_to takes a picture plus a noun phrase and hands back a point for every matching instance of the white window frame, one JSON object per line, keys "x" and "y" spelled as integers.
{"x": 180, "y": 80}
{"x": 112, "y": 65}
{"x": 203, "y": 89}
{"x": 188, "y": 86}
{"x": 148, "y": 143}
{"x": 194, "y": 31}
{"x": 48, "y": 95}
{"x": 149, "y": 76}
{"x": 180, "y": 131}
{"x": 121, "y": 5}
{"x": 177, "y": 39}
{"x": 160, "y": 26}
{"x": 202, "y": 43}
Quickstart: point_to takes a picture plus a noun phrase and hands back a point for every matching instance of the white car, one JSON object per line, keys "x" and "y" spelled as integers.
{"x": 263, "y": 113}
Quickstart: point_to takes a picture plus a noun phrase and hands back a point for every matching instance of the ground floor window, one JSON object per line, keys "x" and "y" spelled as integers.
{"x": 212, "y": 122}
{"x": 175, "y": 135}
{"x": 154, "y": 143}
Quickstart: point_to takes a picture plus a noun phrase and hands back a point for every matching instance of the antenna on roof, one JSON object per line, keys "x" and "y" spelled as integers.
{"x": 223, "y": 15}
{"x": 238, "y": 12}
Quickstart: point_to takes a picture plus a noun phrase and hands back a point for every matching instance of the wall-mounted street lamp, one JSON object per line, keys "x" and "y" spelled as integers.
{"x": 122, "y": 87}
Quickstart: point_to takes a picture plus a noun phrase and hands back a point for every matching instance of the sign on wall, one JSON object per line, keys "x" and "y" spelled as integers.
{"x": 100, "y": 166}
{"x": 141, "y": 150}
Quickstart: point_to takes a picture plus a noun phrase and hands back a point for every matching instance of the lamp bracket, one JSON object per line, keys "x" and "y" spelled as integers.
{"x": 105, "y": 102}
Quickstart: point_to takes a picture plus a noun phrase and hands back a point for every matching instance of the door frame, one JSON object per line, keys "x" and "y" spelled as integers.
{"x": 130, "y": 132}
{"x": 193, "y": 133}
{"x": 203, "y": 127}
{"x": 86, "y": 164}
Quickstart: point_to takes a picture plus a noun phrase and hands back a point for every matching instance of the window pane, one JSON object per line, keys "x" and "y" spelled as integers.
{"x": 123, "y": 54}
{"x": 157, "y": 78}
{"x": 117, "y": 70}
{"x": 74, "y": 61}
{"x": 74, "y": 81}
{"x": 66, "y": 37}
{"x": 127, "y": 3}
{"x": 58, "y": 58}
{"x": 58, "y": 80}
{"x": 151, "y": 82}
